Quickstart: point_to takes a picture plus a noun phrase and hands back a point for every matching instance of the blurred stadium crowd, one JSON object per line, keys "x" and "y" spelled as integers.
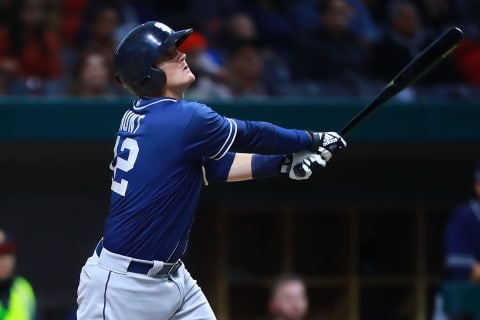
{"x": 241, "y": 48}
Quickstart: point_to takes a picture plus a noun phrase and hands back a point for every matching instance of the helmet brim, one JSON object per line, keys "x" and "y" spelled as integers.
{"x": 178, "y": 37}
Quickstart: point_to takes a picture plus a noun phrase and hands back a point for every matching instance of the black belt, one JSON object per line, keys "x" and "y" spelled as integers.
{"x": 144, "y": 267}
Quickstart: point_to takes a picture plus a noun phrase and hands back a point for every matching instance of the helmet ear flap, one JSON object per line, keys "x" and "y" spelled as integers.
{"x": 145, "y": 81}
{"x": 152, "y": 83}
{"x": 117, "y": 77}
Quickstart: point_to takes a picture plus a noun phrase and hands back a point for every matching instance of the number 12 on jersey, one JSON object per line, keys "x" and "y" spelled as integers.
{"x": 123, "y": 164}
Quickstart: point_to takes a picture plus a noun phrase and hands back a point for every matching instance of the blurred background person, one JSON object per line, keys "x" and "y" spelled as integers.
{"x": 71, "y": 21}
{"x": 30, "y": 49}
{"x": 462, "y": 246}
{"x": 288, "y": 298}
{"x": 239, "y": 41}
{"x": 466, "y": 59}
{"x": 98, "y": 32}
{"x": 274, "y": 24}
{"x": 362, "y": 23}
{"x": 331, "y": 54}
{"x": 244, "y": 69}
{"x": 462, "y": 237}
{"x": 92, "y": 76}
{"x": 17, "y": 299}
{"x": 405, "y": 35}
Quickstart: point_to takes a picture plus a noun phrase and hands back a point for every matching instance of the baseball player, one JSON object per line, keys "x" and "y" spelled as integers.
{"x": 165, "y": 149}
{"x": 462, "y": 237}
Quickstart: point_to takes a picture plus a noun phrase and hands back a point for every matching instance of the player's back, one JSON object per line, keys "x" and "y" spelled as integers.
{"x": 156, "y": 180}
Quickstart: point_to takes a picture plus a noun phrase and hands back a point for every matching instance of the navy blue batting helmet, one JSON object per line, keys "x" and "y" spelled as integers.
{"x": 138, "y": 52}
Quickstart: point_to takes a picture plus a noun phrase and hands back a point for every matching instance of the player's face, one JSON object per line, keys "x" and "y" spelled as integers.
{"x": 476, "y": 187}
{"x": 179, "y": 76}
{"x": 7, "y": 266}
{"x": 290, "y": 301}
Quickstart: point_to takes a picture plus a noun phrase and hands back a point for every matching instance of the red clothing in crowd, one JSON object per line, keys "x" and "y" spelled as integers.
{"x": 39, "y": 60}
{"x": 467, "y": 60}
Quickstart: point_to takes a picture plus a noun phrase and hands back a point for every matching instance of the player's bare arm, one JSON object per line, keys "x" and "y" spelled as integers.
{"x": 241, "y": 168}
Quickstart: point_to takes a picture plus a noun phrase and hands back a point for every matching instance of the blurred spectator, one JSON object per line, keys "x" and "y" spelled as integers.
{"x": 101, "y": 23}
{"x": 467, "y": 60}
{"x": 362, "y": 24}
{"x": 404, "y": 37}
{"x": 239, "y": 30}
{"x": 239, "y": 25}
{"x": 288, "y": 298}
{"x": 72, "y": 12}
{"x": 275, "y": 24}
{"x": 244, "y": 67}
{"x": 209, "y": 75}
{"x": 17, "y": 299}
{"x": 462, "y": 237}
{"x": 462, "y": 246}
{"x": 29, "y": 49}
{"x": 92, "y": 76}
{"x": 331, "y": 52}
{"x": 130, "y": 13}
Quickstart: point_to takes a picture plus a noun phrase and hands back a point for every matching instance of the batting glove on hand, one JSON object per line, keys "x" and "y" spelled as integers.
{"x": 306, "y": 160}
{"x": 325, "y": 143}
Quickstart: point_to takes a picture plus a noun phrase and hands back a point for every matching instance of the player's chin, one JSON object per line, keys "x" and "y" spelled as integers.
{"x": 191, "y": 76}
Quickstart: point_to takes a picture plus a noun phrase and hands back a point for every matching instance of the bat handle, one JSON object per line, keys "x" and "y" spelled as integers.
{"x": 298, "y": 169}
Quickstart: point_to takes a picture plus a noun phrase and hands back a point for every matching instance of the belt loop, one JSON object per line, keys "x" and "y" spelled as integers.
{"x": 157, "y": 267}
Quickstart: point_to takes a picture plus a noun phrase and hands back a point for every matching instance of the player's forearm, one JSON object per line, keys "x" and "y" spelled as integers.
{"x": 266, "y": 138}
{"x": 241, "y": 168}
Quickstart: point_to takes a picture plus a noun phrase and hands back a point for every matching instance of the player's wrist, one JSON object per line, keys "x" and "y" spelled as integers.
{"x": 264, "y": 166}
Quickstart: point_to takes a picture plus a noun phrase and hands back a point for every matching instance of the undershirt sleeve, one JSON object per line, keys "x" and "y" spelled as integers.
{"x": 267, "y": 138}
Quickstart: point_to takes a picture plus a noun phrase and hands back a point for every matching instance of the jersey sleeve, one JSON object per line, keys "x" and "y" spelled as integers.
{"x": 209, "y": 134}
{"x": 266, "y": 138}
{"x": 218, "y": 170}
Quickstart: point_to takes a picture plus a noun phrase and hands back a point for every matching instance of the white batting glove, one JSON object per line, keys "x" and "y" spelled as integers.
{"x": 306, "y": 159}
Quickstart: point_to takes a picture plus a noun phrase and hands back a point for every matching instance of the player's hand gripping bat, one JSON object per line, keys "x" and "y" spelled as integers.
{"x": 414, "y": 70}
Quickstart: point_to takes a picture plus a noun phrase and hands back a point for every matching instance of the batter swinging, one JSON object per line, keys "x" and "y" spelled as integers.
{"x": 165, "y": 149}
